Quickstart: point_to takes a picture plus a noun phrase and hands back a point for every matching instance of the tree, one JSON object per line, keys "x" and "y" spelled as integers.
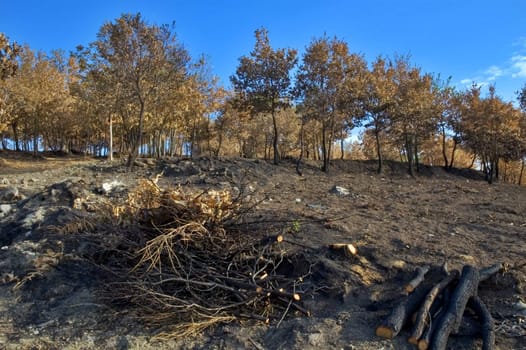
{"x": 141, "y": 58}
{"x": 413, "y": 115}
{"x": 492, "y": 129}
{"x": 38, "y": 102}
{"x": 263, "y": 78}
{"x": 521, "y": 96}
{"x": 329, "y": 83}
{"x": 9, "y": 52}
{"x": 379, "y": 94}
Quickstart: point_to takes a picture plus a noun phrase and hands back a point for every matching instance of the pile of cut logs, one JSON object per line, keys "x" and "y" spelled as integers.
{"x": 437, "y": 309}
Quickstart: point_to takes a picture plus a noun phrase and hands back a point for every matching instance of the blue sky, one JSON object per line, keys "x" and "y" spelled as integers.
{"x": 470, "y": 40}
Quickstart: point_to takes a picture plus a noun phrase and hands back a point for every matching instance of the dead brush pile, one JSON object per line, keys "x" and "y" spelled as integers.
{"x": 184, "y": 265}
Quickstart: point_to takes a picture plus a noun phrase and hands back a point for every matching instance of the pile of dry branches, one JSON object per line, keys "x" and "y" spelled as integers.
{"x": 186, "y": 268}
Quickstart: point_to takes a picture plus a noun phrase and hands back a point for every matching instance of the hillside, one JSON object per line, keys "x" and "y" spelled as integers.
{"x": 50, "y": 288}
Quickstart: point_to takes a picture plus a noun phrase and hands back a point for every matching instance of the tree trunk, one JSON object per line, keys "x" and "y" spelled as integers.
{"x": 298, "y": 163}
{"x": 417, "y": 161}
{"x": 455, "y": 144}
{"x": 521, "y": 172}
{"x": 136, "y": 139}
{"x": 409, "y": 153}
{"x": 14, "y": 126}
{"x": 276, "y": 136}
{"x": 325, "y": 166}
{"x": 110, "y": 142}
{"x": 378, "y": 150}
{"x": 444, "y": 151}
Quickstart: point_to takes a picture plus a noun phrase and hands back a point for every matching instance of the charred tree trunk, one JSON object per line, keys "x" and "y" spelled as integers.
{"x": 444, "y": 146}
{"x": 409, "y": 153}
{"x": 276, "y": 136}
{"x": 300, "y": 158}
{"x": 521, "y": 172}
{"x": 378, "y": 149}
{"x": 455, "y": 144}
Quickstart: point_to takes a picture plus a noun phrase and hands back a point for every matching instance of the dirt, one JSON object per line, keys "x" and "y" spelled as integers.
{"x": 48, "y": 289}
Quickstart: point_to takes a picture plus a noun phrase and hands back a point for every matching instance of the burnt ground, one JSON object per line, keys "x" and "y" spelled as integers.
{"x": 48, "y": 287}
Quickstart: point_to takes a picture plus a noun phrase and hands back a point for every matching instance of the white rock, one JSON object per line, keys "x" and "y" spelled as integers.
{"x": 340, "y": 191}
{"x": 114, "y": 186}
{"x": 5, "y": 209}
{"x": 9, "y": 194}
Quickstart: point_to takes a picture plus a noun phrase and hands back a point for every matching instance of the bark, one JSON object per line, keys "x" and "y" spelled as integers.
{"x": 455, "y": 144}
{"x": 14, "y": 126}
{"x": 110, "y": 142}
{"x": 444, "y": 144}
{"x": 276, "y": 136}
{"x": 417, "y": 161}
{"x": 487, "y": 323}
{"x": 419, "y": 278}
{"x": 450, "y": 321}
{"x": 400, "y": 314}
{"x": 325, "y": 167}
{"x": 300, "y": 159}
{"x": 378, "y": 150}
{"x": 424, "y": 315}
{"x": 489, "y": 271}
{"x": 522, "y": 172}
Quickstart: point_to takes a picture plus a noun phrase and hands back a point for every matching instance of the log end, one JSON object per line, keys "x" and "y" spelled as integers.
{"x": 412, "y": 340}
{"x": 347, "y": 248}
{"x": 423, "y": 344}
{"x": 385, "y": 332}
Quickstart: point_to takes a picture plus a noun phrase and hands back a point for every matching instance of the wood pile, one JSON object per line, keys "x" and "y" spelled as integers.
{"x": 436, "y": 310}
{"x": 182, "y": 265}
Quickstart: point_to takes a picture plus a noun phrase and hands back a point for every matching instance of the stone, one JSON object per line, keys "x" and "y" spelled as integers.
{"x": 9, "y": 194}
{"x": 113, "y": 186}
{"x": 340, "y": 191}
{"x": 5, "y": 209}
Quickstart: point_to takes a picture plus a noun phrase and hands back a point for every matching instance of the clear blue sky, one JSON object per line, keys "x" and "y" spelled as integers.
{"x": 471, "y": 40}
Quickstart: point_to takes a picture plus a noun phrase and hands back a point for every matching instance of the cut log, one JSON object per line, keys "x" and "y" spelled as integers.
{"x": 270, "y": 240}
{"x": 347, "y": 248}
{"x": 486, "y": 320}
{"x": 423, "y": 343}
{"x": 423, "y": 315}
{"x": 489, "y": 271}
{"x": 450, "y": 321}
{"x": 419, "y": 278}
{"x": 393, "y": 323}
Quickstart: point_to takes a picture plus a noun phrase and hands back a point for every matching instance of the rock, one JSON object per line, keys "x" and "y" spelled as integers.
{"x": 9, "y": 194}
{"x": 5, "y": 181}
{"x": 114, "y": 186}
{"x": 5, "y": 209}
{"x": 340, "y": 191}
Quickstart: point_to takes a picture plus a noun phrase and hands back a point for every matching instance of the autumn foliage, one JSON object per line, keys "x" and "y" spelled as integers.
{"x": 135, "y": 91}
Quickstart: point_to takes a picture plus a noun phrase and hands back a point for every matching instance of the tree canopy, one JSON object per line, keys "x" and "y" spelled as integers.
{"x": 136, "y": 91}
